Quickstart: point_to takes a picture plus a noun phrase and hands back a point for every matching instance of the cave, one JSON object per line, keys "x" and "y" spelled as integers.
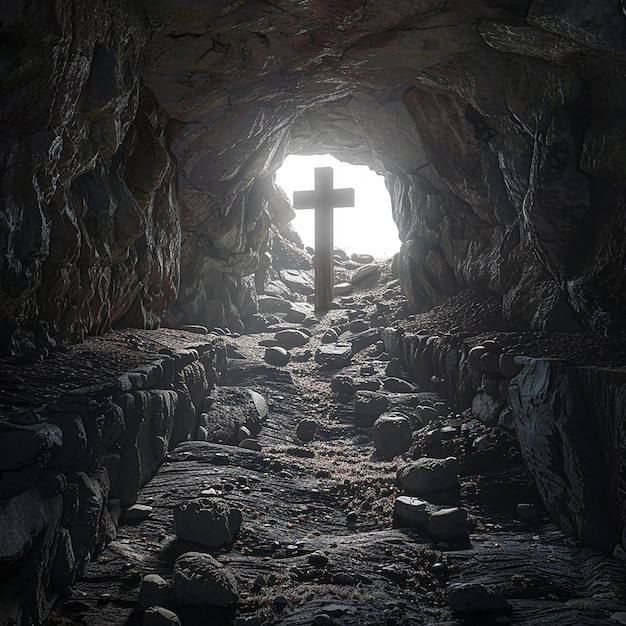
{"x": 183, "y": 438}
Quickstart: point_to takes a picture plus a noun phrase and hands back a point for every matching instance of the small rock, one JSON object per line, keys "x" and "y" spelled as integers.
{"x": 397, "y": 385}
{"x": 154, "y": 591}
{"x": 136, "y": 513}
{"x": 250, "y": 444}
{"x": 318, "y": 559}
{"x": 508, "y": 366}
{"x": 276, "y": 356}
{"x": 280, "y": 602}
{"x": 330, "y": 336}
{"x": 211, "y": 522}
{"x": 427, "y": 475}
{"x": 448, "y": 523}
{"x": 346, "y": 384}
{"x": 425, "y": 414}
{"x": 528, "y": 512}
{"x": 473, "y": 597}
{"x": 334, "y": 355}
{"x": 366, "y": 275}
{"x": 370, "y": 403}
{"x": 393, "y": 368}
{"x": 411, "y": 512}
{"x": 273, "y": 304}
{"x": 438, "y": 435}
{"x": 200, "y": 579}
{"x": 358, "y": 326}
{"x": 159, "y": 616}
{"x": 243, "y": 432}
{"x": 486, "y": 408}
{"x": 343, "y": 289}
{"x": 474, "y": 355}
{"x": 342, "y": 578}
{"x": 306, "y": 429}
{"x": 364, "y": 259}
{"x": 195, "y": 328}
{"x": 322, "y": 620}
{"x": 490, "y": 363}
{"x": 291, "y": 338}
{"x": 298, "y": 312}
{"x": 392, "y": 434}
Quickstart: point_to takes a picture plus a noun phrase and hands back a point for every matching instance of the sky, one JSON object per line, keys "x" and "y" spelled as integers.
{"x": 366, "y": 228}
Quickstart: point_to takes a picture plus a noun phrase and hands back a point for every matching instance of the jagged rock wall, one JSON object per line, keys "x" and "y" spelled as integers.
{"x": 89, "y": 222}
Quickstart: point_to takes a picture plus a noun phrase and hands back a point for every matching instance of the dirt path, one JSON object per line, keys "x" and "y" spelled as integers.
{"x": 318, "y": 545}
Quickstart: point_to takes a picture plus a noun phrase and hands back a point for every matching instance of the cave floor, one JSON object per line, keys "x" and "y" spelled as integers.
{"x": 333, "y": 495}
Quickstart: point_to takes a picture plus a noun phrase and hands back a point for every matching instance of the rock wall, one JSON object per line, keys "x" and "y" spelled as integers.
{"x": 72, "y": 468}
{"x": 89, "y": 222}
{"x": 569, "y": 420}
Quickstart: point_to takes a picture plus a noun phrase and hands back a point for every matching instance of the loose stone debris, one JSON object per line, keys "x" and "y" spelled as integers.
{"x": 343, "y": 488}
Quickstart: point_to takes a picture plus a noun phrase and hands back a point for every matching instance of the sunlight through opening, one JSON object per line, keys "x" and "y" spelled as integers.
{"x": 366, "y": 228}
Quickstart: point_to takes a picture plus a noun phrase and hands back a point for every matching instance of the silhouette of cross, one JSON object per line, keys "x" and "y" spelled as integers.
{"x": 323, "y": 199}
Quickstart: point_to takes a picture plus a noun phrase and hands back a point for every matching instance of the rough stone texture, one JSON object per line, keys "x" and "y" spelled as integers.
{"x": 71, "y": 465}
{"x": 392, "y": 434}
{"x": 90, "y": 236}
{"x": 200, "y": 579}
{"x": 427, "y": 475}
{"x": 208, "y": 521}
{"x": 137, "y": 147}
{"x": 561, "y": 448}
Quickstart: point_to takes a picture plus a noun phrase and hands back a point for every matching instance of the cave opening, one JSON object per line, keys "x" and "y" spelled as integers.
{"x": 367, "y": 228}
{"x": 410, "y": 454}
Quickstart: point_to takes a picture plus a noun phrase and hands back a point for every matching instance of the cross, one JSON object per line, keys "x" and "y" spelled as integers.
{"x": 323, "y": 199}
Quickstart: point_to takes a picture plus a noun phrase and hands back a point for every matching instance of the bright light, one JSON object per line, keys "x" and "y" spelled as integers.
{"x": 366, "y": 228}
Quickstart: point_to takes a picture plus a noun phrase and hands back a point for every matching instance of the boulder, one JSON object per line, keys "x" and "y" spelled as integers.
{"x": 200, "y": 579}
{"x": 560, "y": 448}
{"x": 275, "y": 355}
{"x": 427, "y": 475}
{"x": 392, "y": 434}
{"x": 448, "y": 523}
{"x": 291, "y": 338}
{"x": 334, "y": 356}
{"x": 209, "y": 521}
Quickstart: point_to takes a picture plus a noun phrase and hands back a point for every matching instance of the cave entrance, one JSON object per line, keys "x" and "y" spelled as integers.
{"x": 368, "y": 228}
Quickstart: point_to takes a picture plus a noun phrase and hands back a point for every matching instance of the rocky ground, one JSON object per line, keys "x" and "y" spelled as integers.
{"x": 295, "y": 495}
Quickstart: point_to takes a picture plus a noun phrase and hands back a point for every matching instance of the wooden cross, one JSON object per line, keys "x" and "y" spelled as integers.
{"x": 323, "y": 199}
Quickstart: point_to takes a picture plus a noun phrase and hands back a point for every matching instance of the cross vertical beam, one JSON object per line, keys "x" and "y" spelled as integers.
{"x": 323, "y": 199}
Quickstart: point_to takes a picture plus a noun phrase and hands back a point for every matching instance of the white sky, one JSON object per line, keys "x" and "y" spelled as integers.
{"x": 366, "y": 228}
